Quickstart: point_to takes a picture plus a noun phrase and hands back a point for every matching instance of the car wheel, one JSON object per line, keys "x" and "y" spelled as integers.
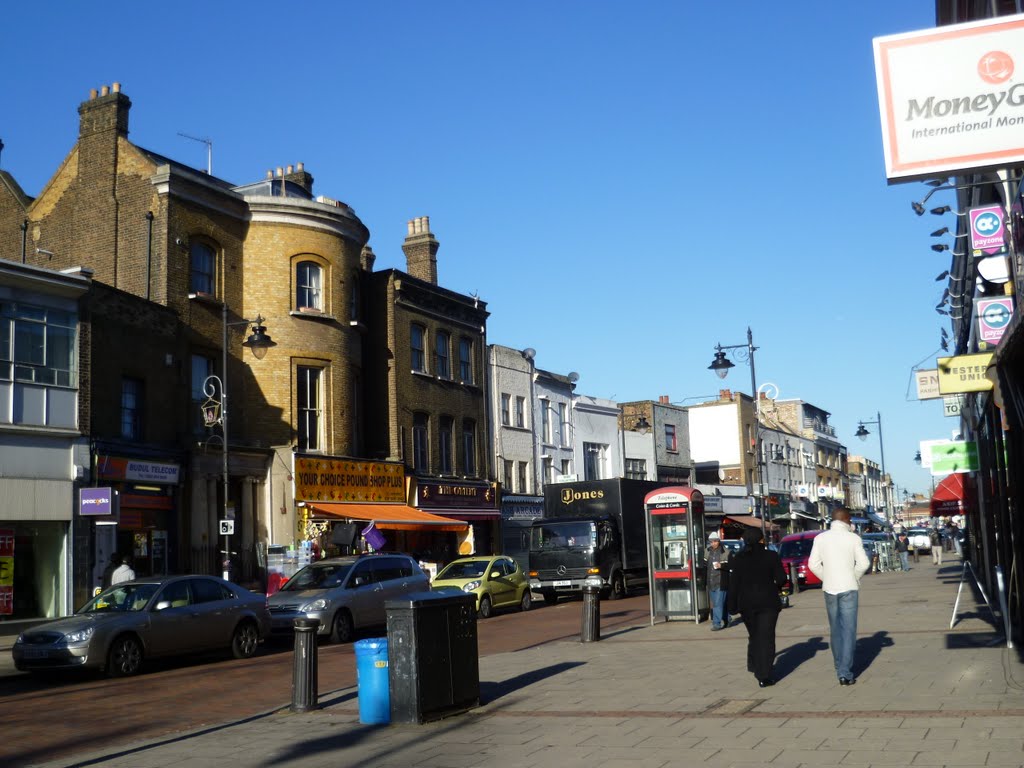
{"x": 245, "y": 640}
{"x": 618, "y": 590}
{"x": 485, "y": 607}
{"x": 550, "y": 598}
{"x": 125, "y": 657}
{"x": 343, "y": 629}
{"x": 526, "y": 601}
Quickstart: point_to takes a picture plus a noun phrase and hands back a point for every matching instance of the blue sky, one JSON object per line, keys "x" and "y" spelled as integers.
{"x": 625, "y": 184}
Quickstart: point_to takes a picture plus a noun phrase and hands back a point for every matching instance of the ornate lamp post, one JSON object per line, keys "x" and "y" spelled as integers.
{"x": 863, "y": 433}
{"x": 721, "y": 365}
{"x": 215, "y": 411}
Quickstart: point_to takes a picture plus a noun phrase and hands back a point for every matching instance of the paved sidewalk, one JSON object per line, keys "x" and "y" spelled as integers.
{"x": 677, "y": 695}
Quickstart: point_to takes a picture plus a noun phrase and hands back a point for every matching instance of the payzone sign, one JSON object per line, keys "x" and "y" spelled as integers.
{"x": 994, "y": 316}
{"x": 988, "y": 233}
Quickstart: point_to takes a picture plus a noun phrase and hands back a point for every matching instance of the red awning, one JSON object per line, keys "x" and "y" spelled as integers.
{"x": 949, "y": 495}
{"x": 396, "y": 517}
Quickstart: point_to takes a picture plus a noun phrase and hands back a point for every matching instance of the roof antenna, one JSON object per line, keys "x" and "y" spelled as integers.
{"x": 209, "y": 150}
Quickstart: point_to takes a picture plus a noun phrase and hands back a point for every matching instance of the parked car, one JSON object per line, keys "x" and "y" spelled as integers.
{"x": 796, "y": 549}
{"x": 919, "y": 539}
{"x": 497, "y": 582}
{"x": 147, "y": 618}
{"x": 345, "y": 594}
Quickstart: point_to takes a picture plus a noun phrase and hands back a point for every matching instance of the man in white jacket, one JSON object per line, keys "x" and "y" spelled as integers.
{"x": 838, "y": 559}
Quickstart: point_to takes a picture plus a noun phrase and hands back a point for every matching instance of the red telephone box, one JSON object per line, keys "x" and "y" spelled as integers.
{"x": 676, "y": 562}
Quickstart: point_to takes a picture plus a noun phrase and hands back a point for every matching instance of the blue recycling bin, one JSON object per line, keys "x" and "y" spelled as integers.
{"x": 372, "y": 681}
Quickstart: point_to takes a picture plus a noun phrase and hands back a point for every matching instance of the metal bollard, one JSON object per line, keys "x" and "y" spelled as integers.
{"x": 793, "y": 579}
{"x": 590, "y": 632}
{"x": 304, "y": 666}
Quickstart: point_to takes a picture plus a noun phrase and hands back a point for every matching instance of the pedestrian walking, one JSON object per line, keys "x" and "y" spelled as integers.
{"x": 838, "y": 559}
{"x": 123, "y": 572}
{"x": 755, "y": 577}
{"x": 717, "y": 558}
{"x": 108, "y": 571}
{"x": 936, "y": 539}
{"x": 903, "y": 550}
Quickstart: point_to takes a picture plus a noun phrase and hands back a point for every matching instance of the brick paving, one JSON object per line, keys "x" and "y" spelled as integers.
{"x": 675, "y": 694}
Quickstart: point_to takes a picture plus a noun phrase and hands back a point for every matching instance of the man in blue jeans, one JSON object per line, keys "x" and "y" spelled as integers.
{"x": 717, "y": 558}
{"x": 838, "y": 559}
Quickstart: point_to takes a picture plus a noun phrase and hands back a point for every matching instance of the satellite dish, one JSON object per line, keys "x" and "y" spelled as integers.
{"x": 573, "y": 376}
{"x": 529, "y": 353}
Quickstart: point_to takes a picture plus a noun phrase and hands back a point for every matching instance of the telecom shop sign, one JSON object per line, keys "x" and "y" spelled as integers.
{"x": 949, "y": 99}
{"x": 994, "y": 315}
{"x": 988, "y": 230}
{"x": 964, "y": 373}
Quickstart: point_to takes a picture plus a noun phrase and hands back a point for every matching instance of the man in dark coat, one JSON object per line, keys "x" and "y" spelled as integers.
{"x": 755, "y": 578}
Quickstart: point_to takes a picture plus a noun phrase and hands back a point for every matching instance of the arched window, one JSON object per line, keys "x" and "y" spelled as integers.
{"x": 309, "y": 286}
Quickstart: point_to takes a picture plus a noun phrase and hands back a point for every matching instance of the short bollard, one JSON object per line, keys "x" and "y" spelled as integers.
{"x": 793, "y": 578}
{"x": 591, "y": 629}
{"x": 304, "y": 667}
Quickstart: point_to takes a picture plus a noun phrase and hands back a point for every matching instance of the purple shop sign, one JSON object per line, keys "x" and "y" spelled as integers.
{"x": 95, "y": 501}
{"x": 988, "y": 229}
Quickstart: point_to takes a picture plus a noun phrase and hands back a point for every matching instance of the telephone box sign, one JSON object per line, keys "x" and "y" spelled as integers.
{"x": 988, "y": 230}
{"x": 949, "y": 99}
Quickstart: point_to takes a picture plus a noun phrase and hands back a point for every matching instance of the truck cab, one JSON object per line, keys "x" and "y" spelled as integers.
{"x": 565, "y": 552}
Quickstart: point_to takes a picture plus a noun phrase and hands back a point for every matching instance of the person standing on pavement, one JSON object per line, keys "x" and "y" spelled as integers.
{"x": 123, "y": 572}
{"x": 903, "y": 550}
{"x": 936, "y": 539}
{"x": 717, "y": 558}
{"x": 838, "y": 559}
{"x": 108, "y": 572}
{"x": 755, "y": 577}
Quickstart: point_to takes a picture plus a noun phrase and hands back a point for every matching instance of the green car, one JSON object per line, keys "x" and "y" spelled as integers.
{"x": 496, "y": 580}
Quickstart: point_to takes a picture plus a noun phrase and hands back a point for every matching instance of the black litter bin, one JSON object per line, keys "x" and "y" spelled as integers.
{"x": 433, "y": 661}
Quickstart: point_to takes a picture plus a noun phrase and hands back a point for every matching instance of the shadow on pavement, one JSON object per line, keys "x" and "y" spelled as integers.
{"x": 868, "y": 649}
{"x": 492, "y": 691}
{"x": 790, "y": 659}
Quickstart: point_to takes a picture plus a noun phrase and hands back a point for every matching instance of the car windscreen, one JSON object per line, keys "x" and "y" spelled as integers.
{"x": 122, "y": 597}
{"x": 796, "y": 548}
{"x": 568, "y": 535}
{"x": 318, "y": 576}
{"x": 471, "y": 569}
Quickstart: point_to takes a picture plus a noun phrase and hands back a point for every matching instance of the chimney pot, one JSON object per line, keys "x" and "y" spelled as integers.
{"x": 289, "y": 170}
{"x": 300, "y": 167}
{"x": 280, "y": 171}
{"x": 426, "y": 224}
{"x": 270, "y": 174}
{"x": 105, "y": 90}
{"x": 409, "y": 227}
{"x": 117, "y": 87}
{"x": 92, "y": 94}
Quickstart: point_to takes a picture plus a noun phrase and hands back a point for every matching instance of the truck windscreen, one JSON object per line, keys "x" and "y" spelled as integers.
{"x": 567, "y": 535}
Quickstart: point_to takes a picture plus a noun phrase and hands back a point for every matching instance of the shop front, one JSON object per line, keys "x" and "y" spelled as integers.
{"x": 472, "y": 502}
{"x": 146, "y": 527}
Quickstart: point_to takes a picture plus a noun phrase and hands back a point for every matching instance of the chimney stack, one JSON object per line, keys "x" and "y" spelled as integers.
{"x": 104, "y": 112}
{"x": 298, "y": 175}
{"x": 367, "y": 258}
{"x": 725, "y": 394}
{"x": 420, "y": 248}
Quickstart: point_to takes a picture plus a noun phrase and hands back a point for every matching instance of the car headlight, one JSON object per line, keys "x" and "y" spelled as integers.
{"x": 317, "y": 605}
{"x": 81, "y": 636}
{"x": 471, "y": 586}
{"x": 21, "y": 639}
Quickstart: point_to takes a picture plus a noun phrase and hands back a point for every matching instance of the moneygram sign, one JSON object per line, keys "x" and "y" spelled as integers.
{"x": 949, "y": 98}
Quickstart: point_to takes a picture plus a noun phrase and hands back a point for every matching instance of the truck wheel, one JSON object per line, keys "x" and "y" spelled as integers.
{"x": 618, "y": 588}
{"x": 550, "y": 598}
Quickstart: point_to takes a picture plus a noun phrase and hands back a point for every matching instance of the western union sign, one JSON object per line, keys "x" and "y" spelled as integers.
{"x": 348, "y": 480}
{"x": 964, "y": 373}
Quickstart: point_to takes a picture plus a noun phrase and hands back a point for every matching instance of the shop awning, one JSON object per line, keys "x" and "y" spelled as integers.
{"x": 396, "y": 517}
{"x": 749, "y": 521}
{"x": 949, "y": 496}
{"x": 877, "y": 519}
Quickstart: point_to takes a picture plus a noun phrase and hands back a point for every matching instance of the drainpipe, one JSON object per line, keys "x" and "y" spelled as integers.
{"x": 149, "y": 253}
{"x": 24, "y": 239}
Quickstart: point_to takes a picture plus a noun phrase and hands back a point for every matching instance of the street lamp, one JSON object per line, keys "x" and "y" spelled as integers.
{"x": 721, "y": 365}
{"x": 863, "y": 433}
{"x": 216, "y": 411}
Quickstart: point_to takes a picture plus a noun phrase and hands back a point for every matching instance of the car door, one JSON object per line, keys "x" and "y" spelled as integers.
{"x": 363, "y": 595}
{"x": 174, "y": 625}
{"x": 215, "y": 609}
{"x": 501, "y": 586}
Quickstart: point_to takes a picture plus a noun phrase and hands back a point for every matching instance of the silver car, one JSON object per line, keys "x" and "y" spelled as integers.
{"x": 147, "y": 618}
{"x": 345, "y": 593}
